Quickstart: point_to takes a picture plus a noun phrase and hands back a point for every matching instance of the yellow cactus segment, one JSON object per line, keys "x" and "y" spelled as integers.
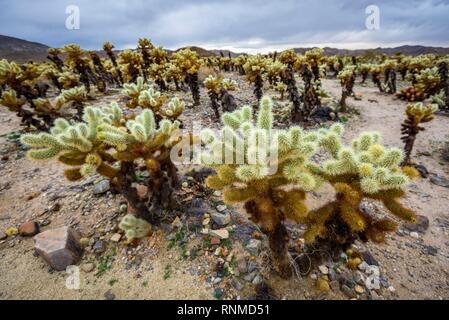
{"x": 134, "y": 228}
{"x": 216, "y": 183}
{"x": 235, "y": 195}
{"x": 410, "y": 172}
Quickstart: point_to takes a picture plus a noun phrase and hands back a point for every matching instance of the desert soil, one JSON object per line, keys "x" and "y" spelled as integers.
{"x": 416, "y": 266}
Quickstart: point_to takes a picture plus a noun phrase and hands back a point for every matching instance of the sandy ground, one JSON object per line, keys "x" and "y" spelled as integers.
{"x": 152, "y": 271}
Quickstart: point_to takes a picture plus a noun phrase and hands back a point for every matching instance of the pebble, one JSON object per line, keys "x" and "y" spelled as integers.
{"x": 422, "y": 225}
{"x": 29, "y": 229}
{"x": 391, "y": 289}
{"x": 253, "y": 265}
{"x": 323, "y": 269}
{"x": 369, "y": 259}
{"x": 257, "y": 280}
{"x": 414, "y": 235}
{"x": 101, "y": 187}
{"x": 359, "y": 278}
{"x": 221, "y": 219}
{"x": 88, "y": 267}
{"x": 242, "y": 265}
{"x": 116, "y": 237}
{"x": 221, "y": 208}
{"x": 359, "y": 289}
{"x": 3, "y": 235}
{"x": 440, "y": 181}
{"x": 236, "y": 284}
{"x": 99, "y": 247}
{"x": 217, "y": 280}
{"x": 254, "y": 246}
{"x": 335, "y": 285}
{"x": 221, "y": 233}
{"x": 215, "y": 241}
{"x": 363, "y": 266}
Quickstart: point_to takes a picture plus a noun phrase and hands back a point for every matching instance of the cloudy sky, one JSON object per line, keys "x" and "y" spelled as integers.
{"x": 239, "y": 25}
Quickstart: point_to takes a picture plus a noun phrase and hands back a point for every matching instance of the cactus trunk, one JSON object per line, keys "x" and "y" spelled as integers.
{"x": 278, "y": 241}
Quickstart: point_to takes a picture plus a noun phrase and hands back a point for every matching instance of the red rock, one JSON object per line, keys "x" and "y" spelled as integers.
{"x": 29, "y": 229}
{"x": 60, "y": 247}
{"x": 215, "y": 240}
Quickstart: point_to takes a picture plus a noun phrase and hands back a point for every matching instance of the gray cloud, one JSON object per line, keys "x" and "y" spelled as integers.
{"x": 242, "y": 25}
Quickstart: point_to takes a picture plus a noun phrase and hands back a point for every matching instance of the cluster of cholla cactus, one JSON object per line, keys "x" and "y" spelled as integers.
{"x": 426, "y": 83}
{"x": 364, "y": 69}
{"x": 25, "y": 94}
{"x": 364, "y": 170}
{"x": 255, "y": 69}
{"x": 416, "y": 114}
{"x": 315, "y": 58}
{"x": 444, "y": 78}
{"x": 189, "y": 64}
{"x": 271, "y": 171}
{"x": 144, "y": 95}
{"x": 389, "y": 67}
{"x": 129, "y": 62}
{"x": 376, "y": 71}
{"x": 347, "y": 81}
{"x": 218, "y": 90}
{"x": 108, "y": 144}
{"x": 108, "y": 48}
{"x": 254, "y": 163}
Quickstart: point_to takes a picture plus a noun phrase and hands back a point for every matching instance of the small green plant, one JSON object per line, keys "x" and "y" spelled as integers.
{"x": 168, "y": 271}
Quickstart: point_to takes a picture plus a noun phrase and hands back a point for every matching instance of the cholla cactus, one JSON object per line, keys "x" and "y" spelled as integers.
{"x": 347, "y": 81}
{"x": 189, "y": 63}
{"x": 444, "y": 78}
{"x": 213, "y": 86}
{"x": 104, "y": 140}
{"x": 274, "y": 71}
{"x": 10, "y": 100}
{"x": 80, "y": 64}
{"x": 133, "y": 90}
{"x": 376, "y": 70}
{"x": 364, "y": 69}
{"x": 130, "y": 63}
{"x": 428, "y": 81}
{"x": 134, "y": 228}
{"x": 53, "y": 56}
{"x": 68, "y": 79}
{"x": 145, "y": 46}
{"x": 173, "y": 73}
{"x": 77, "y": 96}
{"x": 417, "y": 114}
{"x": 265, "y": 169}
{"x": 107, "y": 47}
{"x": 288, "y": 57}
{"x": 366, "y": 169}
{"x": 281, "y": 88}
{"x": 239, "y": 62}
{"x": 255, "y": 67}
{"x": 315, "y": 58}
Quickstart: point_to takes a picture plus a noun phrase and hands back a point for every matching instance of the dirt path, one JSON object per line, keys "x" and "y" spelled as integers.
{"x": 152, "y": 271}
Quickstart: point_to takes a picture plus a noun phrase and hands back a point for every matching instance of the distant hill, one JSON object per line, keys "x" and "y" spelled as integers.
{"x": 21, "y": 50}
{"x": 407, "y": 50}
{"x": 201, "y": 52}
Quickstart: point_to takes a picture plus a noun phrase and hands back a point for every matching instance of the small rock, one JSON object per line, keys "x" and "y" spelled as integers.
{"x": 185, "y": 184}
{"x": 253, "y": 265}
{"x": 177, "y": 223}
{"x": 323, "y": 269}
{"x": 374, "y": 295}
{"x": 216, "y": 280}
{"x": 99, "y": 246}
{"x": 221, "y": 233}
{"x": 217, "y": 193}
{"x": 354, "y": 263}
{"x": 250, "y": 277}
{"x": 116, "y": 237}
{"x": 3, "y": 235}
{"x": 323, "y": 285}
{"x": 109, "y": 295}
{"x": 101, "y": 187}
{"x": 391, "y": 289}
{"x": 440, "y": 181}
{"x": 363, "y": 266}
{"x": 29, "y": 229}
{"x": 215, "y": 241}
{"x": 257, "y": 280}
{"x": 350, "y": 293}
{"x": 11, "y": 231}
{"x": 414, "y": 235}
{"x": 359, "y": 278}
{"x": 359, "y": 289}
{"x": 88, "y": 267}
{"x": 221, "y": 219}
{"x": 221, "y": 208}
{"x": 369, "y": 259}
{"x": 254, "y": 246}
{"x": 430, "y": 250}
{"x": 60, "y": 247}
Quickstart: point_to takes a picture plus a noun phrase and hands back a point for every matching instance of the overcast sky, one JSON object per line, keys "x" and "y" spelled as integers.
{"x": 239, "y": 25}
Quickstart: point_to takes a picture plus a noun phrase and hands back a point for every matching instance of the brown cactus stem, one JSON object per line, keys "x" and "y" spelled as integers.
{"x": 443, "y": 71}
{"x": 392, "y": 82}
{"x": 228, "y": 103}
{"x": 194, "y": 88}
{"x": 265, "y": 214}
{"x": 123, "y": 185}
{"x": 376, "y": 81}
{"x": 343, "y": 105}
{"x": 364, "y": 77}
{"x": 289, "y": 79}
{"x": 278, "y": 242}
{"x": 57, "y": 61}
{"x": 409, "y": 131}
{"x": 214, "y": 104}
{"x": 258, "y": 88}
